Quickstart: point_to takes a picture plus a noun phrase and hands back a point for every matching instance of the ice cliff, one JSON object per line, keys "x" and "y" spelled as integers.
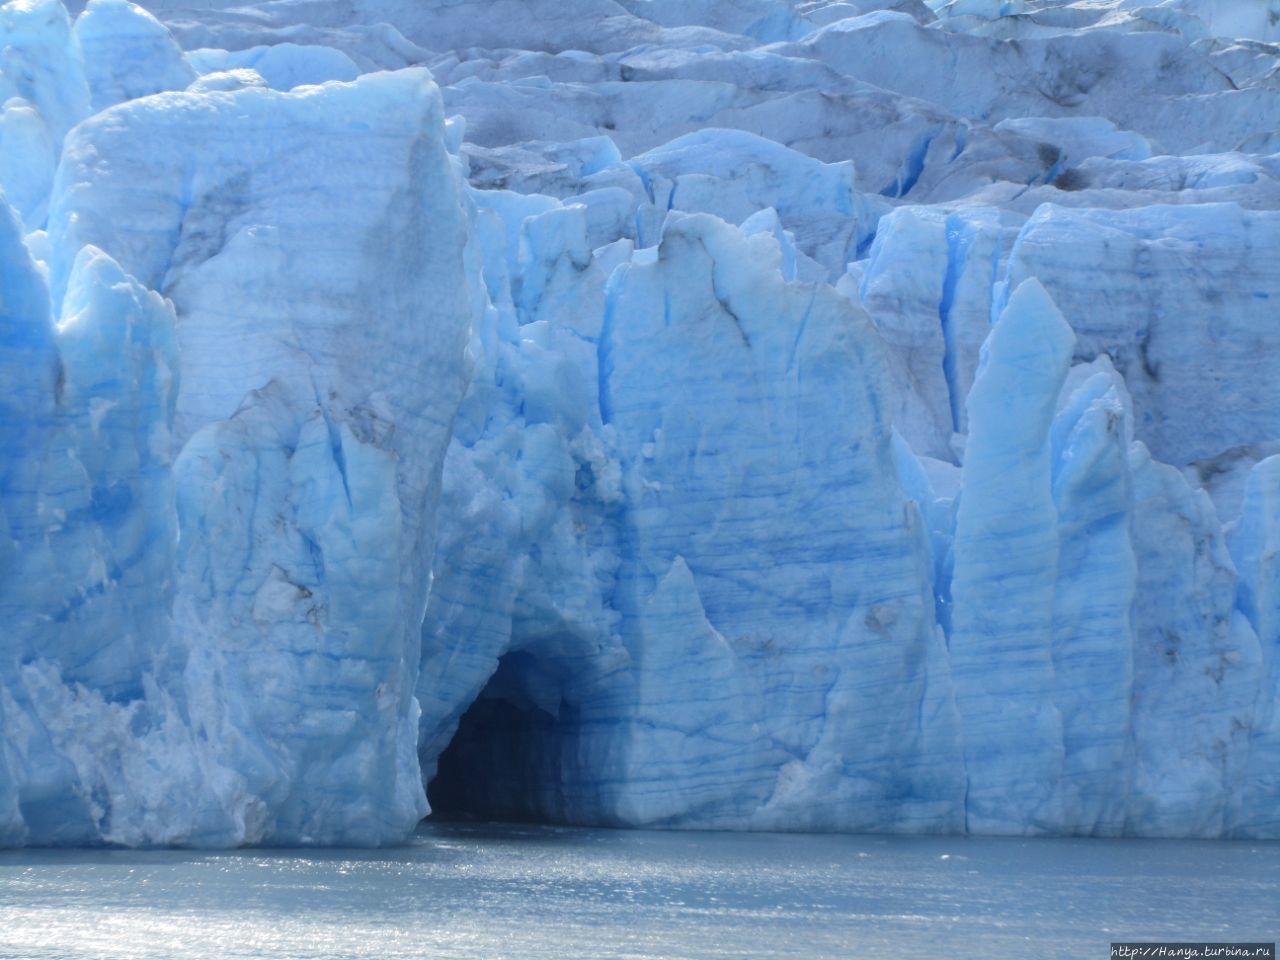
{"x": 752, "y": 414}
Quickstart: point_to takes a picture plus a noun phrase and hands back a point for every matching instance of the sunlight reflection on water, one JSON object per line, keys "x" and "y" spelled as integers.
{"x": 461, "y": 891}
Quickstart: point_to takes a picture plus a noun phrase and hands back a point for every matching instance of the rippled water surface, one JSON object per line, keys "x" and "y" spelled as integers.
{"x": 535, "y": 892}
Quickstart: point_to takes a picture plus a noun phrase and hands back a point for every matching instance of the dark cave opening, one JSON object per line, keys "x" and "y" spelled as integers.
{"x": 504, "y": 762}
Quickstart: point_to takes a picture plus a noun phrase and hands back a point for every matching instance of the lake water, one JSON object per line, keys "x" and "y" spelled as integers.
{"x": 461, "y": 891}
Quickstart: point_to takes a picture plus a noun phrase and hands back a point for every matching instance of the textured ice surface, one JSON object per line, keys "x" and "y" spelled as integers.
{"x": 222, "y": 501}
{"x": 127, "y": 53}
{"x": 839, "y": 415}
{"x": 43, "y": 93}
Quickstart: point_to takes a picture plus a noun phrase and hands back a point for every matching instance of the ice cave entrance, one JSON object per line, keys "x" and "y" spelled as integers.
{"x": 504, "y": 762}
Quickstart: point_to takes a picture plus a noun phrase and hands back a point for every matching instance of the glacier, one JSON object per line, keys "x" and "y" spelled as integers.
{"x": 826, "y": 415}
